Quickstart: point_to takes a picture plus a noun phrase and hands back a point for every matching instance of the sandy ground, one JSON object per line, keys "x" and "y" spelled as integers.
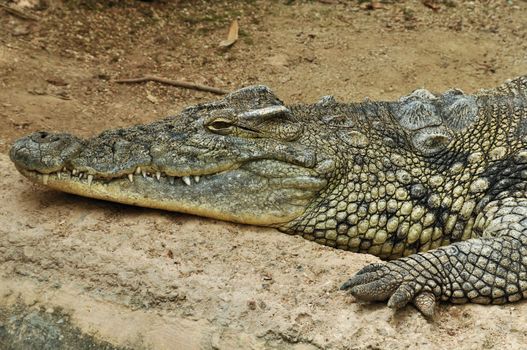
{"x": 123, "y": 277}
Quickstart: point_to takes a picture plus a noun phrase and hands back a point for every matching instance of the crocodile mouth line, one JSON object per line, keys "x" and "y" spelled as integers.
{"x": 66, "y": 174}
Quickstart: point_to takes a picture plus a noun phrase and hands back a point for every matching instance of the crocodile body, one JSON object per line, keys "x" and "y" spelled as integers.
{"x": 437, "y": 184}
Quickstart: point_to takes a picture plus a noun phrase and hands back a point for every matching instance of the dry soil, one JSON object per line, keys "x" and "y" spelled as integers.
{"x": 79, "y": 273}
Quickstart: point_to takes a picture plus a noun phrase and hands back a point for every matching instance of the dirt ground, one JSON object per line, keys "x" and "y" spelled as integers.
{"x": 116, "y": 276}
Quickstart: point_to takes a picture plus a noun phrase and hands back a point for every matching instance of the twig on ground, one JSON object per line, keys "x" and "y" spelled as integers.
{"x": 182, "y": 84}
{"x": 18, "y": 13}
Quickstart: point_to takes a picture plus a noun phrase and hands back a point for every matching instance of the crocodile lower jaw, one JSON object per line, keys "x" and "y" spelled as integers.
{"x": 121, "y": 189}
{"x": 263, "y": 201}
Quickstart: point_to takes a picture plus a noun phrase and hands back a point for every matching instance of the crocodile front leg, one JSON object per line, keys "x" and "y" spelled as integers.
{"x": 487, "y": 270}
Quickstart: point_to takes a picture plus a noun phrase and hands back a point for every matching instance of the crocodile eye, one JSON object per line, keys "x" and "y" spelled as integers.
{"x": 220, "y": 126}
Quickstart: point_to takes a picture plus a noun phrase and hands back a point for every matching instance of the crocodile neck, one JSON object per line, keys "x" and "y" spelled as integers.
{"x": 393, "y": 204}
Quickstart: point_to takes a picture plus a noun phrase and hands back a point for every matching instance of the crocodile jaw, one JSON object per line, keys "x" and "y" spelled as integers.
{"x": 236, "y": 195}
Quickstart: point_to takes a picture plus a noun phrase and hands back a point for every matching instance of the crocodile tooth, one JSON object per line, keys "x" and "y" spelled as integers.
{"x": 144, "y": 173}
{"x": 158, "y": 175}
{"x": 74, "y": 172}
{"x": 58, "y": 175}
{"x": 171, "y": 179}
{"x": 64, "y": 169}
{"x": 196, "y": 178}
{"x": 45, "y": 179}
{"x": 131, "y": 177}
{"x": 81, "y": 175}
{"x": 138, "y": 170}
{"x": 186, "y": 180}
{"x": 90, "y": 179}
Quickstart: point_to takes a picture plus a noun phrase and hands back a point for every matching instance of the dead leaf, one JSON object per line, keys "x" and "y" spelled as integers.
{"x": 232, "y": 36}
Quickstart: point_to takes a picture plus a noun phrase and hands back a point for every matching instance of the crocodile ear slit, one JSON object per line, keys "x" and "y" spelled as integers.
{"x": 265, "y": 112}
{"x": 256, "y": 103}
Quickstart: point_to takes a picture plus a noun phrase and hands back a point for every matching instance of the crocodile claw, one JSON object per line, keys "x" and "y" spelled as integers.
{"x": 393, "y": 282}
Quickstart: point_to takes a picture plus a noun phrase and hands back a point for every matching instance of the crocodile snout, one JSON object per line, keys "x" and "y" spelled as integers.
{"x": 45, "y": 152}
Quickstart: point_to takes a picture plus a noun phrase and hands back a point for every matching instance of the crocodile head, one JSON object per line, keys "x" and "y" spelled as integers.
{"x": 246, "y": 158}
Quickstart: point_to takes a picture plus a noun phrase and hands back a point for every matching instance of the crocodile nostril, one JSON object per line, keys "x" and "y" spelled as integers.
{"x": 45, "y": 137}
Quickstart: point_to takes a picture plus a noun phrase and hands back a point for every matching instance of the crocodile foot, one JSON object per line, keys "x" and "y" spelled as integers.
{"x": 400, "y": 282}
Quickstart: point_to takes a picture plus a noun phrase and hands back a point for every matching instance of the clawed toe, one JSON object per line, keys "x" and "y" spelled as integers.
{"x": 426, "y": 303}
{"x": 402, "y": 296}
{"x": 359, "y": 279}
{"x": 371, "y": 283}
{"x": 380, "y": 282}
{"x": 378, "y": 290}
{"x": 365, "y": 275}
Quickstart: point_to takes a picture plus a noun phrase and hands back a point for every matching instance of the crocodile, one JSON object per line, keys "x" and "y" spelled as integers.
{"x": 435, "y": 184}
